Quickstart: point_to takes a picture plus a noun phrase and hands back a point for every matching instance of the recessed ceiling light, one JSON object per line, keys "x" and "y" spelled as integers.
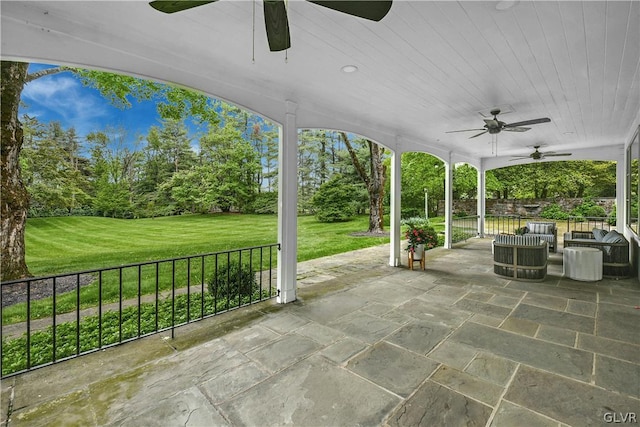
{"x": 349, "y": 69}
{"x": 505, "y": 4}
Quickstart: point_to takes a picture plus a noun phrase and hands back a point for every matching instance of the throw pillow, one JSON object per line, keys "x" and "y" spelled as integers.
{"x": 612, "y": 237}
{"x": 599, "y": 234}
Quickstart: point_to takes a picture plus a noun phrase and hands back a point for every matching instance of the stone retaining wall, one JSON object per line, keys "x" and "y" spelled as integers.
{"x": 523, "y": 207}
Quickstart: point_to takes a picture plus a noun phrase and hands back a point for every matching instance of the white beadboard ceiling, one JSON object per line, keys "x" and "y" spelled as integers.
{"x": 426, "y": 68}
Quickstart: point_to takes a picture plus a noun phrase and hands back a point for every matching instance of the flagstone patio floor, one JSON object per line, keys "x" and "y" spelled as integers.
{"x": 368, "y": 344}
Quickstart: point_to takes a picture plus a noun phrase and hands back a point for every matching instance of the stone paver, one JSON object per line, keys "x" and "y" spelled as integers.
{"x": 419, "y": 336}
{"x": 572, "y": 402}
{"x": 468, "y": 384}
{"x": 514, "y": 415}
{"x": 369, "y": 344}
{"x": 550, "y": 317}
{"x": 492, "y": 368}
{"x": 435, "y": 405}
{"x": 294, "y": 398}
{"x": 393, "y": 368}
{"x": 544, "y": 355}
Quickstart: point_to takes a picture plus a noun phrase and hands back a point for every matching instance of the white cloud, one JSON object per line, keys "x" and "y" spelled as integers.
{"x": 65, "y": 97}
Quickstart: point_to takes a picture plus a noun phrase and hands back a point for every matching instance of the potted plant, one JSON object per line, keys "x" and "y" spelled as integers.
{"x": 420, "y": 236}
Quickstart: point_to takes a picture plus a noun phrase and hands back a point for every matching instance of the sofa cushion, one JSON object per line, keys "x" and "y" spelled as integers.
{"x": 509, "y": 239}
{"x": 540, "y": 227}
{"x": 599, "y": 234}
{"x": 612, "y": 237}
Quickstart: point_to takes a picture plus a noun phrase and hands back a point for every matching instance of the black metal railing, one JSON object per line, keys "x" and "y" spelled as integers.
{"x": 580, "y": 223}
{"x": 463, "y": 228}
{"x": 50, "y": 319}
{"x": 502, "y": 224}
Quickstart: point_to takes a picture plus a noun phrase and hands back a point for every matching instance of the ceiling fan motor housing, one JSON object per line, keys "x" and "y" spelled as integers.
{"x": 494, "y": 126}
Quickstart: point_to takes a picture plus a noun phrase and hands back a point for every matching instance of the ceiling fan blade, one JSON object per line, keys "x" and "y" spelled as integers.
{"x": 555, "y": 154}
{"x": 516, "y": 129}
{"x": 277, "y": 25}
{"x": 371, "y": 10}
{"x": 176, "y": 6}
{"x": 528, "y": 122}
{"x": 520, "y": 158}
{"x": 464, "y": 130}
{"x": 481, "y": 133}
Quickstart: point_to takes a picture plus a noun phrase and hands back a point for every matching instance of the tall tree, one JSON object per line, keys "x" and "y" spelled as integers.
{"x": 113, "y": 172}
{"x": 232, "y": 166}
{"x": 53, "y": 170}
{"x": 373, "y": 179}
{"x": 420, "y": 172}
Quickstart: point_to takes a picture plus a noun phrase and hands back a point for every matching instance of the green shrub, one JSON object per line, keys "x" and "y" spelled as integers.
{"x": 459, "y": 234}
{"x": 410, "y": 212}
{"x": 265, "y": 203}
{"x": 589, "y": 209}
{"x": 335, "y": 201}
{"x": 416, "y": 222}
{"x": 553, "y": 211}
{"x": 611, "y": 219}
{"x": 232, "y": 280}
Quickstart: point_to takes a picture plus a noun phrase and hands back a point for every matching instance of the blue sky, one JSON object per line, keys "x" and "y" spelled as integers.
{"x": 62, "y": 97}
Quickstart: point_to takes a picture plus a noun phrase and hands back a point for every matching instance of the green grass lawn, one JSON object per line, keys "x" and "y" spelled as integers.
{"x": 68, "y": 244}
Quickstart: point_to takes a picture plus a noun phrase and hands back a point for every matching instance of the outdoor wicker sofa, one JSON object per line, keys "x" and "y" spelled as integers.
{"x": 520, "y": 257}
{"x": 545, "y": 231}
{"x": 614, "y": 247}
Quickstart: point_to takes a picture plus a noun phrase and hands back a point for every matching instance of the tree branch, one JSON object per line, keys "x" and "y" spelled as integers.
{"x": 45, "y": 72}
{"x": 354, "y": 159}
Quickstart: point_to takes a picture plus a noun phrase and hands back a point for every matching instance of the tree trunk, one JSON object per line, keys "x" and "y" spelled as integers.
{"x": 374, "y": 181}
{"x": 15, "y": 199}
{"x": 376, "y": 189}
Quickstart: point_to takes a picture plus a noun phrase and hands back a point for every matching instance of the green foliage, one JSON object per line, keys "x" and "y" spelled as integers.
{"x": 465, "y": 182}
{"x": 588, "y": 209}
{"x": 416, "y": 222}
{"x": 421, "y": 171}
{"x": 612, "y": 218}
{"x": 459, "y": 235}
{"x": 233, "y": 279}
{"x": 173, "y": 102}
{"x": 521, "y": 231}
{"x": 410, "y": 212}
{"x": 113, "y": 330}
{"x": 53, "y": 170}
{"x": 554, "y": 211}
{"x": 553, "y": 179}
{"x": 334, "y": 201}
{"x": 231, "y": 166}
{"x": 265, "y": 203}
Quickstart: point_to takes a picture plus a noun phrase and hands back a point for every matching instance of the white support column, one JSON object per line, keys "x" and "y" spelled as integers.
{"x": 288, "y": 206}
{"x": 448, "y": 201}
{"x": 621, "y": 188}
{"x": 480, "y": 199}
{"x": 395, "y": 254}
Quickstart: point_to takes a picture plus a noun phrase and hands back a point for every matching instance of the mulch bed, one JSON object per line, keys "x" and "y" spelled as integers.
{"x": 17, "y": 292}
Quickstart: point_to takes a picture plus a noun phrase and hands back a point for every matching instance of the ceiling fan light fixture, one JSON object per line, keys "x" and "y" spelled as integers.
{"x": 505, "y": 4}
{"x": 349, "y": 69}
